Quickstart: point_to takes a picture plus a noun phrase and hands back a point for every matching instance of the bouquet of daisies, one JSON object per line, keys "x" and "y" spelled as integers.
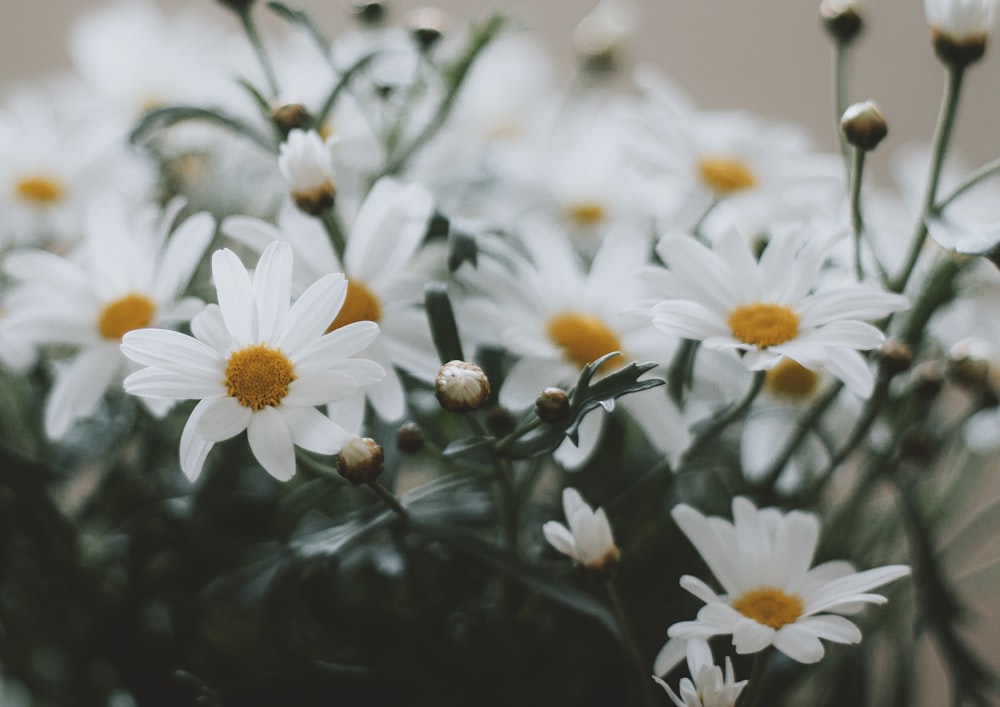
{"x": 378, "y": 366}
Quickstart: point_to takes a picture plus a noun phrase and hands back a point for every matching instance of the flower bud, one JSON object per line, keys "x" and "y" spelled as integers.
{"x": 410, "y": 438}
{"x": 305, "y": 162}
{"x": 969, "y": 363}
{"x": 237, "y": 6}
{"x": 290, "y": 116}
{"x": 895, "y": 357}
{"x": 863, "y": 125}
{"x": 959, "y": 29}
{"x": 552, "y": 405}
{"x": 601, "y": 34}
{"x": 360, "y": 460}
{"x": 426, "y": 25}
{"x": 841, "y": 20}
{"x": 371, "y": 14}
{"x": 461, "y": 386}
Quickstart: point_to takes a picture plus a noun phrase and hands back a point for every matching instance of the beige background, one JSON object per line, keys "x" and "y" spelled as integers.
{"x": 769, "y": 56}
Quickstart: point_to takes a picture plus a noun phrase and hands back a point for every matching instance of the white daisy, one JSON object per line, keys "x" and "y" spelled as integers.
{"x": 961, "y": 20}
{"x": 588, "y": 538}
{"x": 128, "y": 275}
{"x": 772, "y": 597}
{"x": 559, "y": 317}
{"x": 764, "y": 309}
{"x": 305, "y": 161}
{"x": 384, "y": 286}
{"x": 707, "y": 687}
{"x": 257, "y": 364}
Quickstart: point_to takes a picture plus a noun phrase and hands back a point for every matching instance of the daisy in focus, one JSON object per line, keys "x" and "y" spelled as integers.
{"x": 707, "y": 687}
{"x": 128, "y": 274}
{"x": 767, "y": 310}
{"x": 772, "y": 597}
{"x": 257, "y": 363}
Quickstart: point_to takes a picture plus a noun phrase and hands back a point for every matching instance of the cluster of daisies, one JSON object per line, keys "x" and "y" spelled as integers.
{"x": 264, "y": 246}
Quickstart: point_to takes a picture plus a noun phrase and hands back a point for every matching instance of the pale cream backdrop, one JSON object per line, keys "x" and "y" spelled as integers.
{"x": 768, "y": 56}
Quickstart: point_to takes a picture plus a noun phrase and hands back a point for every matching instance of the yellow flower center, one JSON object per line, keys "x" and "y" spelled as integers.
{"x": 360, "y": 305}
{"x": 258, "y": 376}
{"x": 586, "y": 213}
{"x": 39, "y": 189}
{"x": 790, "y": 379}
{"x": 769, "y": 606}
{"x": 763, "y": 325}
{"x": 583, "y": 338}
{"x": 133, "y": 311}
{"x": 725, "y": 175}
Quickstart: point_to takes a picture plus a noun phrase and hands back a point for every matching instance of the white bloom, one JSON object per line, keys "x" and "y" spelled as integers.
{"x": 706, "y": 687}
{"x": 607, "y": 27}
{"x": 129, "y": 275}
{"x": 305, "y": 161}
{"x": 961, "y": 20}
{"x": 771, "y": 594}
{"x": 257, "y": 364}
{"x": 764, "y": 309}
{"x": 588, "y": 538}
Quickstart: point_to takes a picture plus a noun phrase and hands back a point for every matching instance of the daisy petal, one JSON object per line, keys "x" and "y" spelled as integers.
{"x": 798, "y": 643}
{"x": 235, "y": 294}
{"x": 271, "y": 443}
{"x": 313, "y": 430}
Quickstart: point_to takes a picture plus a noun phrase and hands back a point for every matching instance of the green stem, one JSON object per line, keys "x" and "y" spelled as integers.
{"x": 336, "y": 234}
{"x": 390, "y": 498}
{"x": 717, "y": 424}
{"x": 857, "y": 223}
{"x": 681, "y": 369}
{"x": 632, "y": 650}
{"x": 939, "y": 148}
{"x": 250, "y": 27}
{"x": 754, "y": 692}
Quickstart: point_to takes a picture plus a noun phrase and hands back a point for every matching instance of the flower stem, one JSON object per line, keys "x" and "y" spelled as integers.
{"x": 250, "y": 27}
{"x": 718, "y": 423}
{"x": 642, "y": 668}
{"x": 754, "y": 692}
{"x": 857, "y": 223}
{"x": 336, "y": 233}
{"x": 390, "y": 498}
{"x": 942, "y": 138}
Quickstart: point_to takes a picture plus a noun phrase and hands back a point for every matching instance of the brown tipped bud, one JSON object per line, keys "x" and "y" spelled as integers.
{"x": 552, "y": 405}
{"x": 291, "y": 116}
{"x": 863, "y": 125}
{"x": 427, "y": 25}
{"x": 969, "y": 364}
{"x": 895, "y": 357}
{"x": 958, "y": 53}
{"x": 316, "y": 201}
{"x": 410, "y": 438}
{"x": 360, "y": 460}
{"x": 372, "y": 14}
{"x": 928, "y": 379}
{"x": 461, "y": 386}
{"x": 841, "y": 20}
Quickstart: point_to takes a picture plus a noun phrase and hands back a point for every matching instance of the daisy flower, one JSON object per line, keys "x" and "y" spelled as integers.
{"x": 772, "y": 597}
{"x": 305, "y": 162}
{"x": 961, "y": 21}
{"x": 128, "y": 275}
{"x": 765, "y": 309}
{"x": 257, "y": 363}
{"x": 383, "y": 285}
{"x": 707, "y": 687}
{"x": 587, "y": 539}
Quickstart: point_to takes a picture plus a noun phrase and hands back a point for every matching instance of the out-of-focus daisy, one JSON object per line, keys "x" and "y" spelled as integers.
{"x": 129, "y": 274}
{"x": 587, "y": 539}
{"x": 961, "y": 21}
{"x": 384, "y": 286}
{"x": 765, "y": 309}
{"x": 707, "y": 687}
{"x": 562, "y": 316}
{"x": 771, "y": 594}
{"x": 257, "y": 364}
{"x": 305, "y": 161}
{"x": 755, "y": 172}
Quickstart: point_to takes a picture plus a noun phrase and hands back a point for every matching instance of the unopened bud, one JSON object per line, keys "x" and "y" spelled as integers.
{"x": 291, "y": 116}
{"x": 461, "y": 386}
{"x": 863, "y": 125}
{"x": 410, "y": 438}
{"x": 370, "y": 13}
{"x": 969, "y": 363}
{"x": 928, "y": 379}
{"x": 552, "y": 405}
{"x": 841, "y": 20}
{"x": 427, "y": 26}
{"x": 895, "y": 357}
{"x": 360, "y": 460}
{"x": 958, "y": 53}
{"x": 316, "y": 201}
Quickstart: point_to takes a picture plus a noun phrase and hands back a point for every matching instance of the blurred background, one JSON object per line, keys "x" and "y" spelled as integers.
{"x": 768, "y": 56}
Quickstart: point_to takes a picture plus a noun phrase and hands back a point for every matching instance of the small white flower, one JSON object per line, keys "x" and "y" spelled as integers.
{"x": 961, "y": 20}
{"x": 588, "y": 538}
{"x": 707, "y": 687}
{"x": 305, "y": 161}
{"x": 128, "y": 275}
{"x": 772, "y": 597}
{"x": 258, "y": 364}
{"x": 765, "y": 309}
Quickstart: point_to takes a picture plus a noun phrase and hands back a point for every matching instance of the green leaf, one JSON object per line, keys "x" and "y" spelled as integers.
{"x": 462, "y": 248}
{"x": 341, "y": 86}
{"x": 161, "y": 118}
{"x": 441, "y": 318}
{"x": 300, "y": 18}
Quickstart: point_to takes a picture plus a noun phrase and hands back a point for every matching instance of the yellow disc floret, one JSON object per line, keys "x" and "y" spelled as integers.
{"x": 40, "y": 189}
{"x": 725, "y": 175}
{"x": 586, "y": 213}
{"x": 763, "y": 324}
{"x": 258, "y": 376}
{"x": 583, "y": 338}
{"x": 133, "y": 311}
{"x": 360, "y": 305}
{"x": 790, "y": 379}
{"x": 769, "y": 606}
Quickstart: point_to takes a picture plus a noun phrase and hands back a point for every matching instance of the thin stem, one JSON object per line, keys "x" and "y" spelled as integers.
{"x": 939, "y": 148}
{"x": 840, "y": 95}
{"x": 390, "y": 498}
{"x": 250, "y": 27}
{"x": 985, "y": 172}
{"x": 718, "y": 423}
{"x": 642, "y": 668}
{"x": 857, "y": 223}
{"x": 681, "y": 369}
{"x": 754, "y": 691}
{"x": 336, "y": 233}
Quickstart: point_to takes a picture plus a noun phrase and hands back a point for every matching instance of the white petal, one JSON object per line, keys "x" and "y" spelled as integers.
{"x": 832, "y": 628}
{"x": 798, "y": 643}
{"x": 271, "y": 443}
{"x": 717, "y": 555}
{"x": 209, "y": 328}
{"x": 272, "y": 288}
{"x": 327, "y": 350}
{"x": 194, "y": 448}
{"x": 560, "y": 538}
{"x": 172, "y": 351}
{"x": 182, "y": 255}
{"x": 79, "y": 387}
{"x": 170, "y": 385}
{"x": 312, "y": 313}
{"x": 751, "y": 637}
{"x": 313, "y": 430}
{"x": 670, "y": 655}
{"x": 332, "y": 385}
{"x": 222, "y": 417}
{"x": 235, "y": 294}
{"x": 528, "y": 377}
